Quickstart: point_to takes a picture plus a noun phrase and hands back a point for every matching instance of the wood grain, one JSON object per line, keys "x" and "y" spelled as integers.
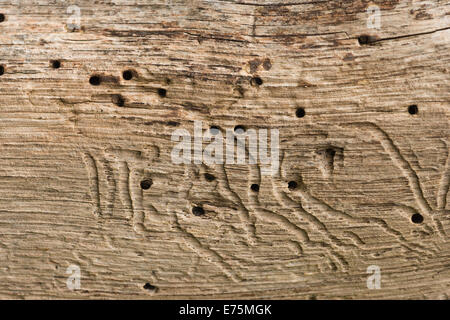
{"x": 73, "y": 155}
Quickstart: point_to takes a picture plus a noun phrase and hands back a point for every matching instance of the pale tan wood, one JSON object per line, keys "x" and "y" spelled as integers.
{"x": 72, "y": 160}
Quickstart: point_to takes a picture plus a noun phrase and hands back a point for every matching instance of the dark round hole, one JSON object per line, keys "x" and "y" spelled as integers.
{"x": 2, "y": 17}
{"x": 300, "y": 113}
{"x": 364, "y": 39}
{"x": 255, "y": 187}
{"x": 417, "y": 218}
{"x": 256, "y": 81}
{"x": 239, "y": 129}
{"x": 95, "y": 80}
{"x": 149, "y": 287}
{"x": 56, "y": 64}
{"x": 198, "y": 211}
{"x": 146, "y": 184}
{"x": 292, "y": 185}
{"x": 209, "y": 177}
{"x": 162, "y": 92}
{"x": 118, "y": 100}
{"x": 127, "y": 74}
{"x": 413, "y": 109}
{"x": 2, "y": 70}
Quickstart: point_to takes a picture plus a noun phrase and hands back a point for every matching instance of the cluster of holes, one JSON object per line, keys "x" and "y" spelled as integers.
{"x": 196, "y": 210}
{"x": 292, "y": 185}
{"x": 96, "y": 80}
{"x": 412, "y": 109}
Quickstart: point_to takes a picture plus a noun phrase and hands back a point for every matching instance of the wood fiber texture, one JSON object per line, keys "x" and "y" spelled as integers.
{"x": 73, "y": 155}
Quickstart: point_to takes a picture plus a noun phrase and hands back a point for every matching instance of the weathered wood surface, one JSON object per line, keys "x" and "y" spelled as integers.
{"x": 72, "y": 159}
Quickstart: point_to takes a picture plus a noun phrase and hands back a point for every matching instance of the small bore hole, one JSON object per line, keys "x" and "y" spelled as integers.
{"x": 118, "y": 100}
{"x": 413, "y": 109}
{"x": 417, "y": 218}
{"x": 162, "y": 92}
{"x": 209, "y": 177}
{"x": 150, "y": 287}
{"x": 127, "y": 74}
{"x": 198, "y": 211}
{"x": 146, "y": 184}
{"x": 255, "y": 187}
{"x": 364, "y": 39}
{"x": 94, "y": 80}
{"x": 2, "y": 70}
{"x": 292, "y": 185}
{"x": 256, "y": 81}
{"x": 2, "y": 17}
{"x": 300, "y": 113}
{"x": 56, "y": 64}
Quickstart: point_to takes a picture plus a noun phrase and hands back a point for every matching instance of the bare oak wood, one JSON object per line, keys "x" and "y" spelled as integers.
{"x": 73, "y": 155}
